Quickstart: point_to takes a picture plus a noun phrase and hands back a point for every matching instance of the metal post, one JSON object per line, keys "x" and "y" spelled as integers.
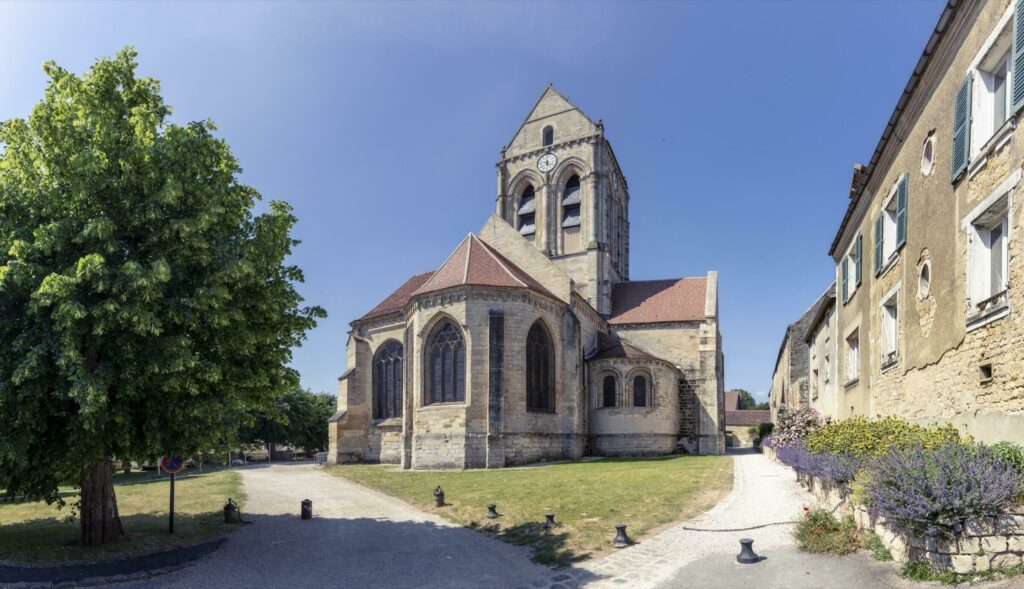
{"x": 170, "y": 524}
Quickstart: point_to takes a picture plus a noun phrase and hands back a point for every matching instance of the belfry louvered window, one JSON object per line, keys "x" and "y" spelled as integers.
{"x": 527, "y": 212}
{"x": 387, "y": 381}
{"x": 609, "y": 391}
{"x": 571, "y": 203}
{"x": 446, "y": 365}
{"x": 540, "y": 370}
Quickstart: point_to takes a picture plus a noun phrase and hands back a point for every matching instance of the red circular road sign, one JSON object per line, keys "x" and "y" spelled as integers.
{"x": 172, "y": 464}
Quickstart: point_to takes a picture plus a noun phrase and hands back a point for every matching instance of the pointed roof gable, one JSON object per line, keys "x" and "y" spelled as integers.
{"x": 551, "y": 102}
{"x": 475, "y": 263}
{"x": 504, "y": 239}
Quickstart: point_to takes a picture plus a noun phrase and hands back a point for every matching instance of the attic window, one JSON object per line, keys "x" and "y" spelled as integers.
{"x": 549, "y": 135}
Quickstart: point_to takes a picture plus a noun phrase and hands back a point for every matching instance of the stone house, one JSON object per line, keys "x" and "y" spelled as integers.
{"x": 739, "y": 421}
{"x": 790, "y": 378}
{"x": 928, "y": 269}
{"x": 530, "y": 342}
{"x": 821, "y": 344}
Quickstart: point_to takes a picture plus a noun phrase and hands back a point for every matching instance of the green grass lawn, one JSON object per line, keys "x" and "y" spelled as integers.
{"x": 36, "y": 532}
{"x": 588, "y": 498}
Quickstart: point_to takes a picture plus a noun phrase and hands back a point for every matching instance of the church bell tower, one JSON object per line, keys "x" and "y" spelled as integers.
{"x": 560, "y": 186}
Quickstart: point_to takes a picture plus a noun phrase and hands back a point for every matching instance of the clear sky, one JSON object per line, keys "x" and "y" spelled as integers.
{"x": 737, "y": 124}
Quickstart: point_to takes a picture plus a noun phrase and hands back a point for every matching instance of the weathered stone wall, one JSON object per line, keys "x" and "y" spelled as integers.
{"x": 741, "y": 437}
{"x": 936, "y": 373}
{"x": 626, "y": 429}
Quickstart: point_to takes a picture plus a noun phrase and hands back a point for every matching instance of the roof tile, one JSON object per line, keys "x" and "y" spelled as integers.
{"x": 658, "y": 301}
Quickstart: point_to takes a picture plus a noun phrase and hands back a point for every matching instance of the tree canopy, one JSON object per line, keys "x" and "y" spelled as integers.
{"x": 747, "y": 401}
{"x": 297, "y": 418}
{"x": 141, "y": 297}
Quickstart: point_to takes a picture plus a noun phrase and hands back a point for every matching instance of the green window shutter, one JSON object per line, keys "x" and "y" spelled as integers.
{"x": 901, "y": 213}
{"x": 842, "y": 274}
{"x": 879, "y": 236}
{"x": 857, "y": 253}
{"x": 1018, "y": 56}
{"x": 962, "y": 128}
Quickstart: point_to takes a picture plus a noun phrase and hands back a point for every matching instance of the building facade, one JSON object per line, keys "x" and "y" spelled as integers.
{"x": 530, "y": 342}
{"x": 929, "y": 269}
{"x": 791, "y": 386}
{"x": 821, "y": 355}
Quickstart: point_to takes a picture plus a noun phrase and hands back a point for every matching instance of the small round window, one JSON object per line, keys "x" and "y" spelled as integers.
{"x": 928, "y": 156}
{"x": 924, "y": 281}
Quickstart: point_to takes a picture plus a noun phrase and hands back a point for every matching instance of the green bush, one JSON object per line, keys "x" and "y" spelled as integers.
{"x": 821, "y": 533}
{"x": 874, "y": 544}
{"x": 866, "y": 438}
{"x": 1009, "y": 452}
{"x": 765, "y": 429}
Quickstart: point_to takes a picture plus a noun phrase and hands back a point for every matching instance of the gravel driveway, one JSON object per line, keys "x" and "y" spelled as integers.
{"x": 357, "y": 538}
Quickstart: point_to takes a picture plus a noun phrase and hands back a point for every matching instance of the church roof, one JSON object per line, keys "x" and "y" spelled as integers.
{"x": 658, "y": 301}
{"x": 610, "y": 346}
{"x": 476, "y": 263}
{"x": 397, "y": 300}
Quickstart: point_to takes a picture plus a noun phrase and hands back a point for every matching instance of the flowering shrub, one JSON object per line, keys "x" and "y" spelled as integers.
{"x": 1010, "y": 453}
{"x": 867, "y": 438}
{"x": 835, "y": 468}
{"x": 923, "y": 491}
{"x": 793, "y": 425}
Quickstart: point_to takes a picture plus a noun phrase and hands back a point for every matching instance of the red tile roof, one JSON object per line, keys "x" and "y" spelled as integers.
{"x": 476, "y": 263}
{"x": 658, "y": 301}
{"x": 397, "y": 300}
{"x": 747, "y": 417}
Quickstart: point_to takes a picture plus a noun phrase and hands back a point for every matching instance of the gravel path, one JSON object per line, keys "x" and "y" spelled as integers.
{"x": 357, "y": 538}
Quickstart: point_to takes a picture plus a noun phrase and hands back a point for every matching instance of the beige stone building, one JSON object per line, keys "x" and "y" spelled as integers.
{"x": 929, "y": 268}
{"x": 821, "y": 356}
{"x": 530, "y": 342}
{"x": 738, "y": 422}
{"x": 791, "y": 386}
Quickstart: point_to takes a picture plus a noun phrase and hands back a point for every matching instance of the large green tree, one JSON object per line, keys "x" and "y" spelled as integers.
{"x": 297, "y": 418}
{"x": 142, "y": 299}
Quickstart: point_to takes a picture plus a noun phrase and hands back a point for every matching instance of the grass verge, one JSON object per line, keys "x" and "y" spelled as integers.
{"x": 37, "y": 532}
{"x": 588, "y": 498}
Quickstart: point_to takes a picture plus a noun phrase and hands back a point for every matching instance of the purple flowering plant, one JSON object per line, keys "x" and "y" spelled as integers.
{"x": 931, "y": 491}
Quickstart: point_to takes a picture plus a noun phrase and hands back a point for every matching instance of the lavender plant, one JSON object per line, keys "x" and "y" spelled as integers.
{"x": 834, "y": 468}
{"x": 931, "y": 491}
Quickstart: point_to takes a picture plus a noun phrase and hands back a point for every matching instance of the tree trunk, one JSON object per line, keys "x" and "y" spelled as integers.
{"x": 98, "y": 511}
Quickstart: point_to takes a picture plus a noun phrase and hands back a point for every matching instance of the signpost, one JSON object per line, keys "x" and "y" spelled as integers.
{"x": 172, "y": 465}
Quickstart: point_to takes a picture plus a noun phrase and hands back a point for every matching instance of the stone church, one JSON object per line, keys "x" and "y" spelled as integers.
{"x": 530, "y": 342}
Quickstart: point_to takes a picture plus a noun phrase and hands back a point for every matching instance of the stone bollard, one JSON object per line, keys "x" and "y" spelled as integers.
{"x": 549, "y": 521}
{"x": 307, "y": 509}
{"x": 492, "y": 511}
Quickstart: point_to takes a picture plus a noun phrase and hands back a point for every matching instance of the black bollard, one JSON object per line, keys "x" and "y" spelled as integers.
{"x": 231, "y": 513}
{"x": 549, "y": 521}
{"x": 621, "y": 539}
{"x": 307, "y": 509}
{"x": 747, "y": 555}
{"x": 492, "y": 511}
{"x": 438, "y": 496}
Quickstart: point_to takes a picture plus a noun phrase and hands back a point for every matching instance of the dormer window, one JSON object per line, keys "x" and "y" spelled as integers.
{"x": 527, "y": 212}
{"x": 549, "y": 135}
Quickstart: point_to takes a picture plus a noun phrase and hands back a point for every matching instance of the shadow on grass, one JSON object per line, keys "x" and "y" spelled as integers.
{"x": 548, "y": 546}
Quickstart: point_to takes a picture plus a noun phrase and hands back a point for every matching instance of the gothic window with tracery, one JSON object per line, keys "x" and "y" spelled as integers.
{"x": 446, "y": 365}
{"x": 387, "y": 381}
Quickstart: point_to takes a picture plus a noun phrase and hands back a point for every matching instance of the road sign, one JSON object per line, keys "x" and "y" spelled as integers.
{"x": 172, "y": 464}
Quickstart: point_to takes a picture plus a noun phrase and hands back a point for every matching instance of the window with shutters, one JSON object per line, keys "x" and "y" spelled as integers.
{"x": 445, "y": 365}
{"x": 890, "y": 328}
{"x": 987, "y": 262}
{"x": 540, "y": 369}
{"x": 850, "y": 269}
{"x": 891, "y": 226}
{"x": 851, "y": 357}
{"x": 608, "y": 390}
{"x": 527, "y": 212}
{"x": 571, "y": 203}
{"x": 992, "y": 98}
{"x": 387, "y": 381}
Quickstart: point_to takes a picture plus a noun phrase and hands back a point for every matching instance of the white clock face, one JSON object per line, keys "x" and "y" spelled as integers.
{"x": 547, "y": 162}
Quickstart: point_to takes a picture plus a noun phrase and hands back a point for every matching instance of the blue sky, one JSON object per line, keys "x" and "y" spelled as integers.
{"x": 737, "y": 124}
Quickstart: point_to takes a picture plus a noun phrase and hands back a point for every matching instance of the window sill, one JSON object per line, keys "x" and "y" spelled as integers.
{"x": 442, "y": 405}
{"x": 891, "y": 262}
{"x": 387, "y": 422}
{"x": 889, "y": 362}
{"x": 851, "y": 383}
{"x": 544, "y": 411}
{"x": 997, "y": 309}
{"x": 1001, "y": 137}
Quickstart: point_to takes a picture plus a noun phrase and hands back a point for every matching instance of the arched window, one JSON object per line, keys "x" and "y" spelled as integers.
{"x": 527, "y": 212}
{"x": 639, "y": 391}
{"x": 609, "y": 391}
{"x": 549, "y": 135}
{"x": 446, "y": 365}
{"x": 571, "y": 203}
{"x": 540, "y": 370}
{"x": 387, "y": 381}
